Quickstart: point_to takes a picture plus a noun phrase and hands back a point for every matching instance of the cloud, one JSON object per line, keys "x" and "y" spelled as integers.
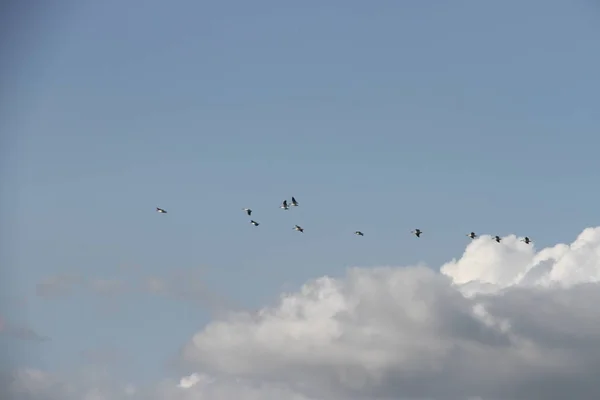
{"x": 497, "y": 323}
{"x": 189, "y": 286}
{"x": 504, "y": 321}
{"x": 57, "y": 286}
{"x": 516, "y": 263}
{"x": 33, "y": 384}
{"x": 105, "y": 356}
{"x": 106, "y": 286}
{"x": 20, "y": 332}
{"x": 64, "y": 284}
{"x": 180, "y": 284}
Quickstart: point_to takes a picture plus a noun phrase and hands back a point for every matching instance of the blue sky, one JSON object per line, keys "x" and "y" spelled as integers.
{"x": 378, "y": 116}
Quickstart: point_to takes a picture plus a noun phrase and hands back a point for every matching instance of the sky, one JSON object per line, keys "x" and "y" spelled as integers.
{"x": 381, "y": 117}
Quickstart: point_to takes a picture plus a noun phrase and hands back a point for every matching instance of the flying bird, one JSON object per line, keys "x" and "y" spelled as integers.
{"x": 253, "y": 222}
{"x": 417, "y": 232}
{"x": 497, "y": 238}
{"x": 472, "y": 235}
{"x": 248, "y": 211}
{"x": 294, "y": 202}
{"x": 284, "y": 205}
{"x": 160, "y": 210}
{"x": 359, "y": 233}
{"x": 526, "y": 240}
{"x": 298, "y": 228}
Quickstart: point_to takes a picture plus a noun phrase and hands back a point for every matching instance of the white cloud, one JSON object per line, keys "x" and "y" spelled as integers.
{"x": 502, "y": 322}
{"x": 513, "y": 262}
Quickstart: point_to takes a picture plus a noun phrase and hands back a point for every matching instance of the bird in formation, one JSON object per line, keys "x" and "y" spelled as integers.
{"x": 294, "y": 203}
{"x": 526, "y": 239}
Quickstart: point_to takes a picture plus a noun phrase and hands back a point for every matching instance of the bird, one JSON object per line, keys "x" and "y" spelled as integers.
{"x": 160, "y": 210}
{"x": 248, "y": 211}
{"x": 284, "y": 205}
{"x": 253, "y": 222}
{"x": 359, "y": 233}
{"x": 526, "y": 240}
{"x": 472, "y": 235}
{"x": 298, "y": 228}
{"x": 294, "y": 202}
{"x": 417, "y": 232}
{"x": 497, "y": 238}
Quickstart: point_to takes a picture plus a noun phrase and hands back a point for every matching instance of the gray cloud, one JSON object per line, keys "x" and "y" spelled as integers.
{"x": 190, "y": 286}
{"x": 415, "y": 333}
{"x": 105, "y": 356}
{"x": 180, "y": 284}
{"x": 57, "y": 286}
{"x": 503, "y": 322}
{"x": 106, "y": 286}
{"x": 20, "y": 332}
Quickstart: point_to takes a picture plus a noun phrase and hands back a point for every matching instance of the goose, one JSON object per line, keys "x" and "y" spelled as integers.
{"x": 160, "y": 210}
{"x": 526, "y": 240}
{"x": 417, "y": 232}
{"x": 294, "y": 202}
{"x": 248, "y": 211}
{"x": 253, "y": 222}
{"x": 497, "y": 238}
{"x": 284, "y": 205}
{"x": 359, "y": 233}
{"x": 472, "y": 235}
{"x": 298, "y": 228}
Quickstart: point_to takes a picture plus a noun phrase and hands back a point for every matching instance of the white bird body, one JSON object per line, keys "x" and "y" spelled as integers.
{"x": 285, "y": 205}
{"x": 298, "y": 228}
{"x": 160, "y": 210}
{"x": 253, "y": 222}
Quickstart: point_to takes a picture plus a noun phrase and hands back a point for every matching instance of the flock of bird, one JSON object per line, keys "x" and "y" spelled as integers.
{"x": 294, "y": 203}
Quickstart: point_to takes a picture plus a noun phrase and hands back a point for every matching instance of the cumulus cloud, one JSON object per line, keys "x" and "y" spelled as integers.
{"x": 504, "y": 321}
{"x": 514, "y": 263}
